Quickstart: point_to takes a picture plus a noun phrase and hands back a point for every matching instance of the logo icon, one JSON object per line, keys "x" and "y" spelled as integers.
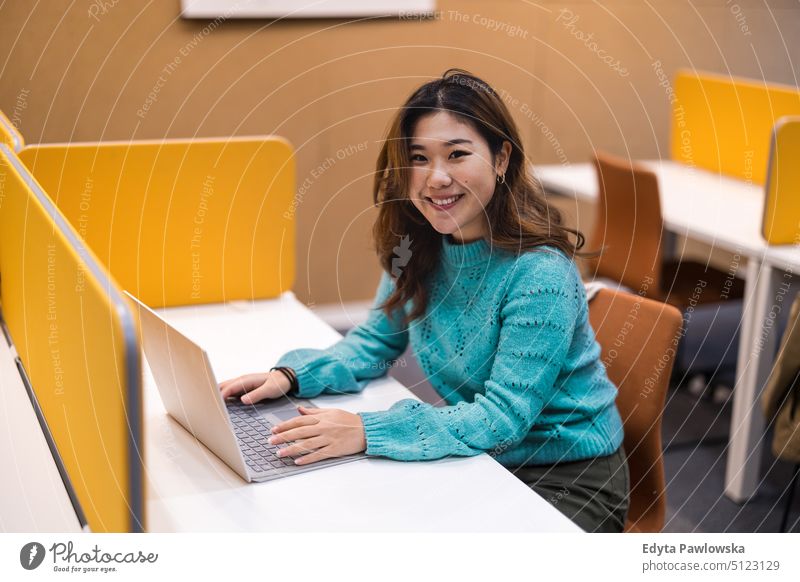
{"x": 402, "y": 256}
{"x": 31, "y": 555}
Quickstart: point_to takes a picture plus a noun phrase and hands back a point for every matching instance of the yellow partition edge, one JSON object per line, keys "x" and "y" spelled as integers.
{"x": 78, "y": 342}
{"x": 9, "y": 134}
{"x": 724, "y": 124}
{"x": 781, "y": 223}
{"x": 180, "y": 222}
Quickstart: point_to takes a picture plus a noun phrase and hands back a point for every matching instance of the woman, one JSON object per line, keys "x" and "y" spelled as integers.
{"x": 478, "y": 276}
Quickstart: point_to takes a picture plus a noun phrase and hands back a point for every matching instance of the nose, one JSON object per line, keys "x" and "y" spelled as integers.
{"x": 438, "y": 178}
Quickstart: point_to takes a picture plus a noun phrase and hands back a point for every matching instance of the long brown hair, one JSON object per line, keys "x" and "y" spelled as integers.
{"x": 519, "y": 217}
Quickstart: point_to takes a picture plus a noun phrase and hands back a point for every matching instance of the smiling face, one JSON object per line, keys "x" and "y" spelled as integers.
{"x": 453, "y": 175}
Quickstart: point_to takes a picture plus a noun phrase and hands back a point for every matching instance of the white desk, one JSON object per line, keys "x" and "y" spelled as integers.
{"x": 719, "y": 211}
{"x": 33, "y": 497}
{"x": 726, "y": 214}
{"x": 189, "y": 489}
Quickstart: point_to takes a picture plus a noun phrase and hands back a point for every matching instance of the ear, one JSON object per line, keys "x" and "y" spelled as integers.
{"x": 502, "y": 158}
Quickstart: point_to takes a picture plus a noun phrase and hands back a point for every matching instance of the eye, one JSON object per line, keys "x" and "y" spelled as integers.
{"x": 418, "y": 158}
{"x": 459, "y": 153}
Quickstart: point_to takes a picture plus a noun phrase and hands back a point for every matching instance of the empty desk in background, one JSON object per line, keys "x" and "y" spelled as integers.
{"x": 719, "y": 211}
{"x": 190, "y": 489}
{"x": 724, "y": 213}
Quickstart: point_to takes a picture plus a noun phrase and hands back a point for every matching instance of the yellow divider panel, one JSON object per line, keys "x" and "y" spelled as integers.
{"x": 724, "y": 125}
{"x": 180, "y": 222}
{"x": 78, "y": 343}
{"x": 781, "y": 224}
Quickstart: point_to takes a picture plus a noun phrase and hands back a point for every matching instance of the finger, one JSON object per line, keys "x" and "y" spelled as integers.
{"x": 230, "y": 381}
{"x": 303, "y": 447}
{"x": 231, "y": 388}
{"x": 318, "y": 455}
{"x": 241, "y": 384}
{"x": 295, "y": 422}
{"x": 294, "y": 434}
{"x": 225, "y": 386}
{"x": 260, "y": 393}
{"x": 304, "y": 410}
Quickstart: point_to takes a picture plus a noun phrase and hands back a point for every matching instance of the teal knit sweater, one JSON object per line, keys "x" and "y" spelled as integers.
{"x": 506, "y": 342}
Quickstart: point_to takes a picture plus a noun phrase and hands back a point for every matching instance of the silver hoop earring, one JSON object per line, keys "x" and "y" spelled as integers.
{"x": 501, "y": 178}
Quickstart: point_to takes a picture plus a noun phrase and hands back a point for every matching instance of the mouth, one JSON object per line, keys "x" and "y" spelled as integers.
{"x": 444, "y": 203}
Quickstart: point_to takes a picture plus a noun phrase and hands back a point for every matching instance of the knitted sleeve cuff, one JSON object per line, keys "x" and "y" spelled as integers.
{"x": 387, "y": 431}
{"x": 316, "y": 371}
{"x": 374, "y": 433}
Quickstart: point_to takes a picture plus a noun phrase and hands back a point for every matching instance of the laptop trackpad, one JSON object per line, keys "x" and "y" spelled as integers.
{"x": 283, "y": 414}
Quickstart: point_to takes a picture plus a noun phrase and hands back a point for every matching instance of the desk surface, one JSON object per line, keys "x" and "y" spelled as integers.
{"x": 32, "y": 494}
{"x": 189, "y": 489}
{"x": 720, "y": 211}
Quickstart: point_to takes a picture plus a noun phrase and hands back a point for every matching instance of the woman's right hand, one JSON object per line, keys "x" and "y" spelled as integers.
{"x": 256, "y": 387}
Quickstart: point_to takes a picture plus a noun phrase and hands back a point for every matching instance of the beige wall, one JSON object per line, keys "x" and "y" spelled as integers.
{"x": 332, "y": 85}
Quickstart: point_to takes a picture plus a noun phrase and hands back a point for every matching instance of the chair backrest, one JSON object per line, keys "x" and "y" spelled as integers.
{"x": 638, "y": 338}
{"x": 628, "y": 225}
{"x": 781, "y": 222}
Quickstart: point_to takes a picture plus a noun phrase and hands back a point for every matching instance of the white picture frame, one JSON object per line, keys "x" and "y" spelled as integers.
{"x": 274, "y": 9}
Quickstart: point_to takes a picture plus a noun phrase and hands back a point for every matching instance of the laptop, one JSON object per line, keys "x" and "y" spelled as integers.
{"x": 237, "y": 433}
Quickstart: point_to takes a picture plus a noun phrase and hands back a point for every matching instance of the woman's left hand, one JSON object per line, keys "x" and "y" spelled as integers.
{"x": 320, "y": 433}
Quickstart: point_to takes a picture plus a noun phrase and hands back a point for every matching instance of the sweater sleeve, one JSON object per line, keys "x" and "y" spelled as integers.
{"x": 365, "y": 353}
{"x": 538, "y": 317}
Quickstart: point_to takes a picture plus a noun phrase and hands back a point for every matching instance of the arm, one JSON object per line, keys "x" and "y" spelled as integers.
{"x": 538, "y": 320}
{"x": 365, "y": 353}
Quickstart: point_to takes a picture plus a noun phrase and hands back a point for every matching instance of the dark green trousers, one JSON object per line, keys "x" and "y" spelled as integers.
{"x": 592, "y": 493}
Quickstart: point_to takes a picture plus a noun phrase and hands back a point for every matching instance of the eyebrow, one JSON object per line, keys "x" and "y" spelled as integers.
{"x": 452, "y": 142}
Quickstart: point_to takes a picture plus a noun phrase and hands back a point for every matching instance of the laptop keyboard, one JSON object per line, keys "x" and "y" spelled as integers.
{"x": 252, "y": 431}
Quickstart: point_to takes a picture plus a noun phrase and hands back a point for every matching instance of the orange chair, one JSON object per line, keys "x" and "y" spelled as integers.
{"x": 638, "y": 337}
{"x": 628, "y": 230}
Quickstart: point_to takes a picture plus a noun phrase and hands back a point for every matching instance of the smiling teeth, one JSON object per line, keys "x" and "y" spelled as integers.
{"x": 446, "y": 202}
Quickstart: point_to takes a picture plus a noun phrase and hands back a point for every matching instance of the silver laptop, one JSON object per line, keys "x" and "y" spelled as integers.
{"x": 237, "y": 433}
